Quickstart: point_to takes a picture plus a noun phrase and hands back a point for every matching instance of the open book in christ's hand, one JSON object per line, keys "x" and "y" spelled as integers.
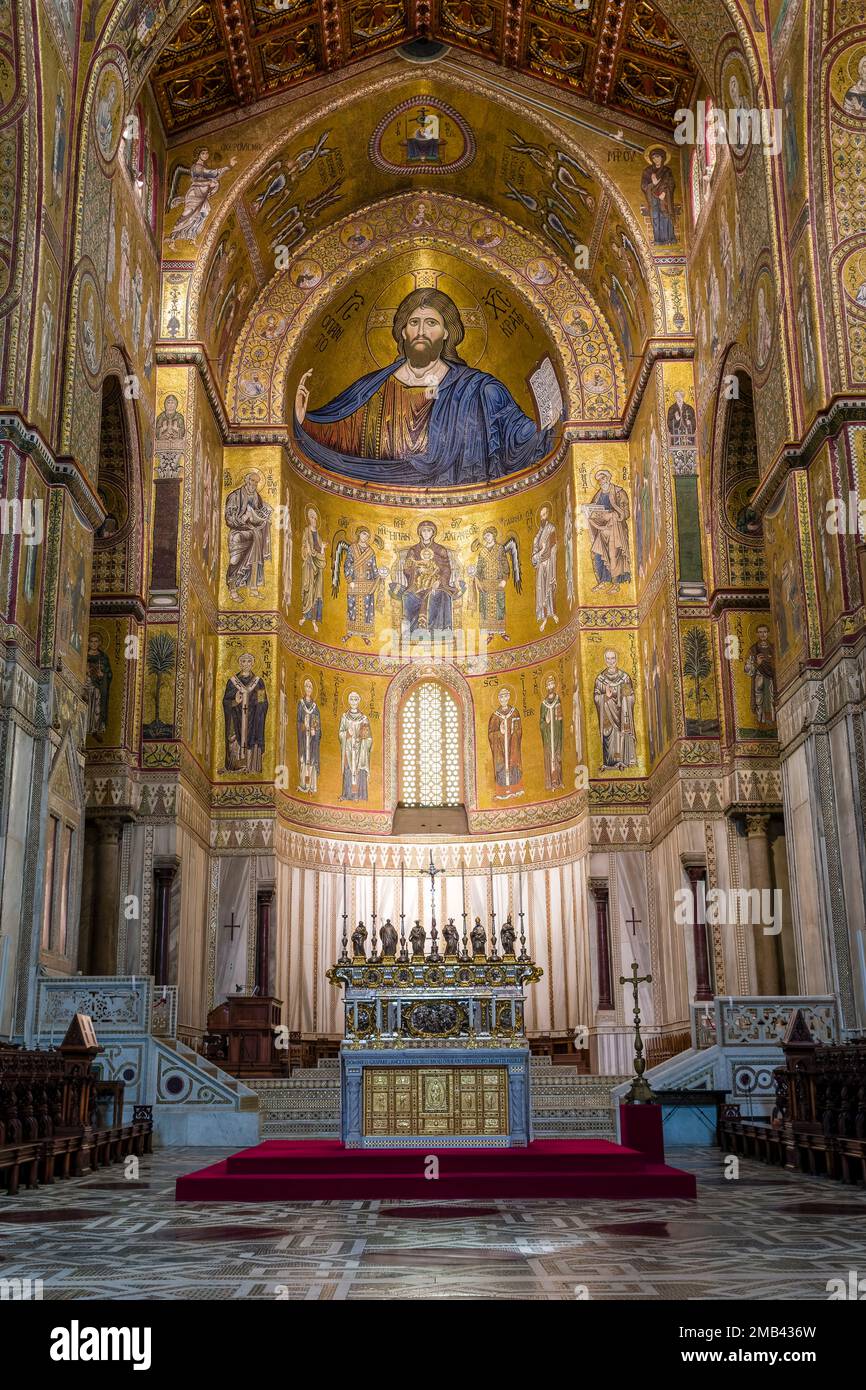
{"x": 547, "y": 395}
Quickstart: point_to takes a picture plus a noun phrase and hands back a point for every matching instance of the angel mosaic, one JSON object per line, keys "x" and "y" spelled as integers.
{"x": 497, "y": 562}
{"x": 204, "y": 184}
{"x": 357, "y": 562}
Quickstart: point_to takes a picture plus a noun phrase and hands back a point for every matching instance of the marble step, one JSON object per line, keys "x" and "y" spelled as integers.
{"x": 537, "y": 1064}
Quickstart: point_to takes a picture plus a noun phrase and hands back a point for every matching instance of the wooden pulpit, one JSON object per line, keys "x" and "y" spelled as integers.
{"x": 249, "y": 1024}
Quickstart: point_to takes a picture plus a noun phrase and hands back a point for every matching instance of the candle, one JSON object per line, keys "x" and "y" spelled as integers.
{"x": 520, "y": 889}
{"x": 374, "y": 887}
{"x": 402, "y": 886}
{"x": 344, "y": 889}
{"x": 463, "y": 883}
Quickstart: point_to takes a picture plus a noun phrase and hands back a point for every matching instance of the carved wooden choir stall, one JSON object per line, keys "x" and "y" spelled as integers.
{"x": 819, "y": 1121}
{"x": 53, "y": 1113}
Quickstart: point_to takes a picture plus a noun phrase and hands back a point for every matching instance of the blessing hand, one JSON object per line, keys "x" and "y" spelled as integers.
{"x": 302, "y": 396}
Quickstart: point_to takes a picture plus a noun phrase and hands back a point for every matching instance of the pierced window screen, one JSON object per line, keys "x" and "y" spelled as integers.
{"x": 430, "y": 748}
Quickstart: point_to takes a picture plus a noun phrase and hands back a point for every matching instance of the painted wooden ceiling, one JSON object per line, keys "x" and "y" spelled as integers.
{"x": 230, "y": 53}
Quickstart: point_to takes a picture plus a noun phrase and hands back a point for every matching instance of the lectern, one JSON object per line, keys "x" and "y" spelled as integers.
{"x": 248, "y": 1023}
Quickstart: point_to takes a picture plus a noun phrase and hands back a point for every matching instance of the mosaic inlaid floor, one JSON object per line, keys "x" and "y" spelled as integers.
{"x": 767, "y": 1235}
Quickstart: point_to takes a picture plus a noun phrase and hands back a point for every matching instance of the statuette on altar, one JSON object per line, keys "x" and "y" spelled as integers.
{"x": 452, "y": 939}
{"x": 478, "y": 937}
{"x": 417, "y": 937}
{"x": 508, "y": 936}
{"x": 359, "y": 936}
{"x": 388, "y": 937}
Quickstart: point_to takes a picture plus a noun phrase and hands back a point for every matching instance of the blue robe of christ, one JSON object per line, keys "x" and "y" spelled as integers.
{"x": 477, "y": 432}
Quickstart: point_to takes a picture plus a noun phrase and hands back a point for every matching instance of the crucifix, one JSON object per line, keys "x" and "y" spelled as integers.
{"x": 633, "y": 922}
{"x": 640, "y": 1090}
{"x": 433, "y": 871}
{"x": 232, "y": 926}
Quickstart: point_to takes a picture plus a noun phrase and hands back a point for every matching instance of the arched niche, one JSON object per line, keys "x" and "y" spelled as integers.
{"x": 738, "y": 539}
{"x": 116, "y": 603}
{"x": 406, "y": 680}
{"x": 304, "y": 313}
{"x": 110, "y": 557}
{"x": 252, "y": 204}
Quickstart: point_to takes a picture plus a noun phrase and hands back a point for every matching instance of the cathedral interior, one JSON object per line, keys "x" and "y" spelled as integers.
{"x": 432, "y": 441}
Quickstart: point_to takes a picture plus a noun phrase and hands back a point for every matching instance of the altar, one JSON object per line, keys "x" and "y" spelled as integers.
{"x": 435, "y": 1049}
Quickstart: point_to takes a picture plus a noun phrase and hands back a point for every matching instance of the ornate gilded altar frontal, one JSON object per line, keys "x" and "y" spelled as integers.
{"x": 435, "y": 1101}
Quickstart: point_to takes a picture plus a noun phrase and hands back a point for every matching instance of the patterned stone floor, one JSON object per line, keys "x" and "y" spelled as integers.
{"x": 766, "y": 1235}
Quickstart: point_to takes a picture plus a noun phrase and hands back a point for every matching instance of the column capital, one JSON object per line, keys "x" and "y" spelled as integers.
{"x": 757, "y": 823}
{"x": 109, "y": 829}
{"x": 166, "y": 866}
{"x": 599, "y": 888}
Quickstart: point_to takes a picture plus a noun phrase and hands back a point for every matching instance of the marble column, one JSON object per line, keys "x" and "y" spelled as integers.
{"x": 787, "y": 948}
{"x": 761, "y": 878}
{"x": 600, "y": 890}
{"x": 822, "y": 736}
{"x": 703, "y": 982}
{"x": 264, "y": 903}
{"x": 105, "y": 896}
{"x": 164, "y": 871}
{"x": 89, "y": 893}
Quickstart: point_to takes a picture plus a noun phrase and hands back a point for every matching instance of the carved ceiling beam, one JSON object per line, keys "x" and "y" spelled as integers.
{"x": 420, "y": 19}
{"x": 512, "y": 38}
{"x": 231, "y": 14}
{"x": 609, "y": 42}
{"x": 332, "y": 34}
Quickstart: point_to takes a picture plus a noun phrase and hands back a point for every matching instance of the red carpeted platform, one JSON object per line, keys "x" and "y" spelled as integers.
{"x": 323, "y": 1170}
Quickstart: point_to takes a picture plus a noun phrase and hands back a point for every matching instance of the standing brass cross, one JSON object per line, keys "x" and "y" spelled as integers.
{"x": 640, "y": 1090}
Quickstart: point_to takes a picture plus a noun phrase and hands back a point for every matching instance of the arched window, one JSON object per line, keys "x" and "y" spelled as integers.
{"x": 429, "y": 734}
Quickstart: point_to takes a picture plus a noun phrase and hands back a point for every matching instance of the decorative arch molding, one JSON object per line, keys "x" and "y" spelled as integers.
{"x": 326, "y": 247}
{"x": 142, "y": 53}
{"x": 840, "y": 182}
{"x": 545, "y": 127}
{"x": 398, "y": 689}
{"x": 21, "y": 201}
{"x": 848, "y": 316}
